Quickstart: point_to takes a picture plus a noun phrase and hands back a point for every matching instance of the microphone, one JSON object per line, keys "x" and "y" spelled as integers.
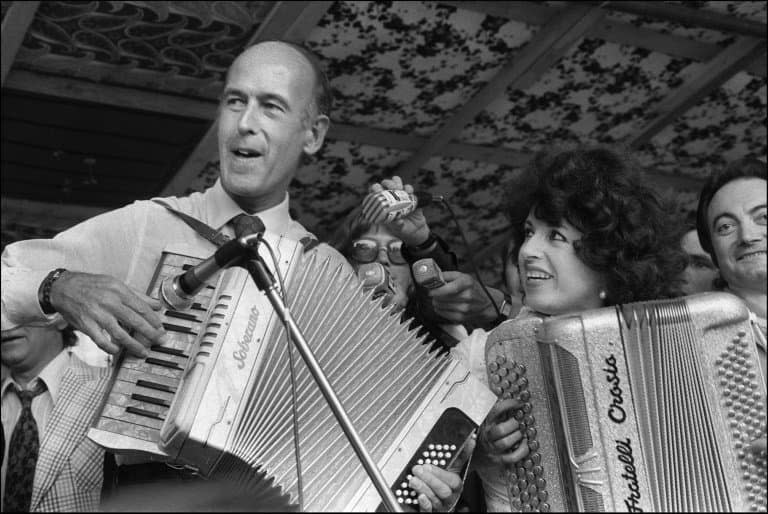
{"x": 423, "y": 198}
{"x": 179, "y": 293}
{"x": 376, "y": 279}
{"x": 395, "y": 203}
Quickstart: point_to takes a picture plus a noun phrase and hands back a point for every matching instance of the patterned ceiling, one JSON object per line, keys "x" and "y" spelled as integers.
{"x": 406, "y": 68}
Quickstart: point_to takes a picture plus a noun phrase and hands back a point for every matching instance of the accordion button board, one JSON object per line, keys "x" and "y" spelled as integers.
{"x": 515, "y": 371}
{"x": 443, "y": 447}
{"x": 643, "y": 406}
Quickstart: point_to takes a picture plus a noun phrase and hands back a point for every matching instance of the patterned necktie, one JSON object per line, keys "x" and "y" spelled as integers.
{"x": 246, "y": 225}
{"x": 22, "y": 455}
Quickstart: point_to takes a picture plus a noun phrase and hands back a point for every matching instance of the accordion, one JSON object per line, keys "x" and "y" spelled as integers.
{"x": 219, "y": 396}
{"x": 644, "y": 406}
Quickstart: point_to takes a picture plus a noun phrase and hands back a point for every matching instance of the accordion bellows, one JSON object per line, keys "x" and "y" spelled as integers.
{"x": 230, "y": 414}
{"x": 645, "y": 406}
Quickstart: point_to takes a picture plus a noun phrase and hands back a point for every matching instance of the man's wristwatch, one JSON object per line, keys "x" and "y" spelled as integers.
{"x": 44, "y": 292}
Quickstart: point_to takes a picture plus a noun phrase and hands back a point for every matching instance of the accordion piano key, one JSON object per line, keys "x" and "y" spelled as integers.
{"x": 143, "y": 387}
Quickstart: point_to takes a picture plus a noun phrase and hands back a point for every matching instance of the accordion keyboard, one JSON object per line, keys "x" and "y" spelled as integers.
{"x": 144, "y": 387}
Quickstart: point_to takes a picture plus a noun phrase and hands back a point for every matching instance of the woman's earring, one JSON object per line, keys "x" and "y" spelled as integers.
{"x": 602, "y": 295}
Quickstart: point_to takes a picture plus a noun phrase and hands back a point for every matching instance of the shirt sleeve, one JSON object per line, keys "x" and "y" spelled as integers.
{"x": 105, "y": 244}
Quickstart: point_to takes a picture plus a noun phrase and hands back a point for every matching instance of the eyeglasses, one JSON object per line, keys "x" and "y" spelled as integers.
{"x": 367, "y": 250}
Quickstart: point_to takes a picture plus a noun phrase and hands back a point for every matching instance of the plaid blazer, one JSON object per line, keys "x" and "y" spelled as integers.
{"x": 69, "y": 471}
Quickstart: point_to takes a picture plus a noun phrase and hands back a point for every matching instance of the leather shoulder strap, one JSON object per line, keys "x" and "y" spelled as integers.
{"x": 198, "y": 226}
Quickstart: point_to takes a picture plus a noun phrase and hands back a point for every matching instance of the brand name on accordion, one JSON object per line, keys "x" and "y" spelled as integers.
{"x": 615, "y": 411}
{"x": 245, "y": 343}
{"x": 630, "y": 475}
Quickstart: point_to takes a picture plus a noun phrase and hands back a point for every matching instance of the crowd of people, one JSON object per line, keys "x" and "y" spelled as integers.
{"x": 587, "y": 232}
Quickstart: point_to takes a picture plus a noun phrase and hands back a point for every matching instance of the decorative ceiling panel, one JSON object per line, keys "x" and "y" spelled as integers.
{"x": 405, "y": 66}
{"x": 183, "y": 47}
{"x": 598, "y": 93}
{"x": 727, "y": 125}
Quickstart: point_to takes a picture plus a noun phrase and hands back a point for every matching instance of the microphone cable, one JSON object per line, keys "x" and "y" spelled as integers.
{"x": 291, "y": 367}
{"x": 442, "y": 200}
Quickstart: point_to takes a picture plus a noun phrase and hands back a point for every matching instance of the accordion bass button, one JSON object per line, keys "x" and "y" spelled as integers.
{"x": 544, "y": 507}
{"x": 541, "y": 484}
{"x": 501, "y": 359}
{"x": 493, "y": 367}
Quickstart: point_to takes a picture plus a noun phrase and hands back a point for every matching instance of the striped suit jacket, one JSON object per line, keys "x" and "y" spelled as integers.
{"x": 69, "y": 471}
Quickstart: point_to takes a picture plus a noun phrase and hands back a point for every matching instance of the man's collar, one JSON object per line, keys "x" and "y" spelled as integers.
{"x": 222, "y": 209}
{"x": 51, "y": 375}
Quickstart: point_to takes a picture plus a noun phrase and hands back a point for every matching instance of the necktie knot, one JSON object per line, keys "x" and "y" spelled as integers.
{"x": 246, "y": 225}
{"x": 26, "y": 395}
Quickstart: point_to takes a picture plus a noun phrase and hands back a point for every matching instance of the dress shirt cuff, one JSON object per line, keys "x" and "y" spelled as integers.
{"x": 23, "y": 285}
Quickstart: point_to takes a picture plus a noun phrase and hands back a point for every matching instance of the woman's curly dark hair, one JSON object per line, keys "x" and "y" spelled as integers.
{"x": 629, "y": 236}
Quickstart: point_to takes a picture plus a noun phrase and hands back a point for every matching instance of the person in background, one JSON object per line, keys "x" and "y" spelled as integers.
{"x": 397, "y": 245}
{"x": 731, "y": 220}
{"x": 700, "y": 274}
{"x": 48, "y": 401}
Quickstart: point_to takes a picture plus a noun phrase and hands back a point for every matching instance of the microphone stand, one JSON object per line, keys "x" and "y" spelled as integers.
{"x": 266, "y": 283}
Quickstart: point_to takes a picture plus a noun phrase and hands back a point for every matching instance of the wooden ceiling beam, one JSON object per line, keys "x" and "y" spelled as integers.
{"x": 292, "y": 21}
{"x": 548, "y": 45}
{"x": 614, "y": 31}
{"x": 711, "y": 76}
{"x": 117, "y": 96}
{"x": 17, "y": 20}
{"x": 532, "y": 13}
{"x": 691, "y": 17}
{"x": 54, "y": 216}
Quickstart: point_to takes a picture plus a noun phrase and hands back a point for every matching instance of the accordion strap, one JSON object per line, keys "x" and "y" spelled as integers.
{"x": 206, "y": 231}
{"x": 216, "y": 237}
